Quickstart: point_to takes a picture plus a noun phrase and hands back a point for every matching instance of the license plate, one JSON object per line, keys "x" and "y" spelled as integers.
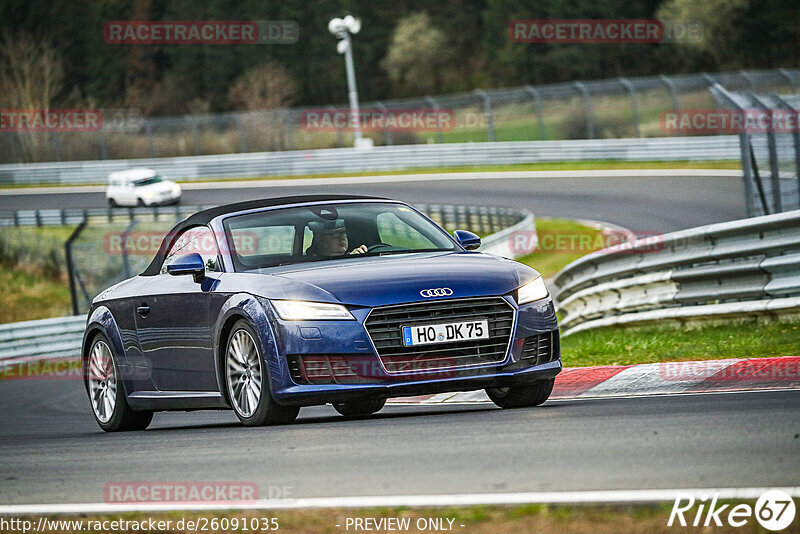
{"x": 445, "y": 333}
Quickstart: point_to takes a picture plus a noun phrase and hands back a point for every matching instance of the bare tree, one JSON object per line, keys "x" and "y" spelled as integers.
{"x": 31, "y": 76}
{"x": 416, "y": 53}
{"x": 268, "y": 86}
{"x": 264, "y": 91}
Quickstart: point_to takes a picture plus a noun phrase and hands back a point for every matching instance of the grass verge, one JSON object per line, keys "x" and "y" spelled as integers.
{"x": 32, "y": 296}
{"x": 560, "y": 242}
{"x": 593, "y": 519}
{"x": 544, "y": 166}
{"x": 670, "y": 343}
{"x": 32, "y": 269}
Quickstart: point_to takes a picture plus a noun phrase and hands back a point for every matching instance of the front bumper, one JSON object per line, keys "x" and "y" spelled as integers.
{"x": 347, "y": 344}
{"x": 329, "y": 393}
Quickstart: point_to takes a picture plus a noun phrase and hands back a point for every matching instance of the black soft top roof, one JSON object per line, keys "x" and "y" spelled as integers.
{"x": 202, "y": 218}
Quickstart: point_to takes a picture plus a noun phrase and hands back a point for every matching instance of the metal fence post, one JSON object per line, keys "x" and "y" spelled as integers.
{"x": 537, "y": 98}
{"x": 745, "y": 150}
{"x": 103, "y": 144}
{"x": 673, "y": 92}
{"x": 195, "y": 134}
{"x": 773, "y": 156}
{"x": 150, "y": 144}
{"x": 795, "y": 139}
{"x": 387, "y": 134}
{"x": 435, "y": 107}
{"x": 70, "y": 268}
{"x": 792, "y": 80}
{"x": 634, "y": 108}
{"x": 288, "y": 124}
{"x": 487, "y": 110}
{"x": 339, "y": 134}
{"x": 749, "y": 79}
{"x": 587, "y": 103}
{"x": 242, "y": 134}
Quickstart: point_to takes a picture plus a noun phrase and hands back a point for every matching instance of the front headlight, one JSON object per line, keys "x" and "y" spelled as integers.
{"x": 534, "y": 290}
{"x": 176, "y": 188}
{"x": 297, "y": 310}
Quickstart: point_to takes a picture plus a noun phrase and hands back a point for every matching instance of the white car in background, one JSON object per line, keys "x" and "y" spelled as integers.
{"x": 141, "y": 187}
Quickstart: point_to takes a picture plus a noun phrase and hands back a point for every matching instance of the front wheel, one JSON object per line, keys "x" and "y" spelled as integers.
{"x": 359, "y": 408}
{"x": 247, "y": 382}
{"x": 106, "y": 393}
{"x": 522, "y": 396}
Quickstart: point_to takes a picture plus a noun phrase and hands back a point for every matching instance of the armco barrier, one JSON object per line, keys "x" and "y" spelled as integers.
{"x": 383, "y": 158}
{"x": 737, "y": 268}
{"x": 47, "y": 338}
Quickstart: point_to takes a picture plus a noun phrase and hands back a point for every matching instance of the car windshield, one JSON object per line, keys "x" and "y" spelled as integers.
{"x": 333, "y": 231}
{"x": 147, "y": 181}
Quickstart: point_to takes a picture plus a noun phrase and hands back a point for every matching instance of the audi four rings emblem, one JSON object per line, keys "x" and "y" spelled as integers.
{"x": 438, "y": 292}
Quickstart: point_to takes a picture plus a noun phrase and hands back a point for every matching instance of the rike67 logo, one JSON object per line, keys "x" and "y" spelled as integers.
{"x": 774, "y": 510}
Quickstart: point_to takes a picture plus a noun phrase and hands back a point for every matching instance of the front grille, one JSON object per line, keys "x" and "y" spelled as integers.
{"x": 540, "y": 347}
{"x": 384, "y": 327}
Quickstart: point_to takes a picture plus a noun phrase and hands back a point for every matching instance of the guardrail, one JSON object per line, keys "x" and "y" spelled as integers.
{"x": 737, "y": 268}
{"x": 47, "y": 338}
{"x": 383, "y": 158}
{"x": 75, "y": 216}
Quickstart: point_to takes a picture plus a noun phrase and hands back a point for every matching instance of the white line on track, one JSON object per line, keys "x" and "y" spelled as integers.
{"x": 602, "y": 397}
{"x": 394, "y": 178}
{"x": 470, "y": 499}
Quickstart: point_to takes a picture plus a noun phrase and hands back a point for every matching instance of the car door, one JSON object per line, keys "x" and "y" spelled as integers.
{"x": 173, "y": 320}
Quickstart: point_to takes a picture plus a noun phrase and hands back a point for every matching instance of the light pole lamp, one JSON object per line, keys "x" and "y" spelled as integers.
{"x": 343, "y": 29}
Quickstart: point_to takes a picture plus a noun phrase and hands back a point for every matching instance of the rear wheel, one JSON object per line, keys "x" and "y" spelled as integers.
{"x": 522, "y": 396}
{"x": 247, "y": 382}
{"x": 359, "y": 408}
{"x": 112, "y": 203}
{"x": 140, "y": 203}
{"x": 106, "y": 393}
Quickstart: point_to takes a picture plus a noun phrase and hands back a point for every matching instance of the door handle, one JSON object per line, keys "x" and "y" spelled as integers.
{"x": 143, "y": 310}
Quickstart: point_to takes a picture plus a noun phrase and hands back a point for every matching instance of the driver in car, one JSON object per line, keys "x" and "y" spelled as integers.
{"x": 330, "y": 239}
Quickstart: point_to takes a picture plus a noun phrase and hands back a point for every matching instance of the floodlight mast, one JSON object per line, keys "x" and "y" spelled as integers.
{"x": 343, "y": 29}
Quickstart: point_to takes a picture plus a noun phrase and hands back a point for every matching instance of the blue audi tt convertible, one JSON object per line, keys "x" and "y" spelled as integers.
{"x": 270, "y": 305}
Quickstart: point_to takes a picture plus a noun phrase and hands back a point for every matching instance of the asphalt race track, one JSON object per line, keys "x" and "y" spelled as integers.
{"x": 53, "y": 452}
{"x": 645, "y": 204}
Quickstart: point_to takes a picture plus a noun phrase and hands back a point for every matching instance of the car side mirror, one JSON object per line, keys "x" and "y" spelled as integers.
{"x": 189, "y": 264}
{"x": 468, "y": 240}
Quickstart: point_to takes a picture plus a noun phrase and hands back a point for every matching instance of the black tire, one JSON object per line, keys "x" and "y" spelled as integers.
{"x": 112, "y": 203}
{"x": 267, "y": 410}
{"x": 359, "y": 408}
{"x": 140, "y": 203}
{"x": 123, "y": 418}
{"x": 522, "y": 396}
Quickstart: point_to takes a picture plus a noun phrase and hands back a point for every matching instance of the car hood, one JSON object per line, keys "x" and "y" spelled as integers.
{"x": 396, "y": 279}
